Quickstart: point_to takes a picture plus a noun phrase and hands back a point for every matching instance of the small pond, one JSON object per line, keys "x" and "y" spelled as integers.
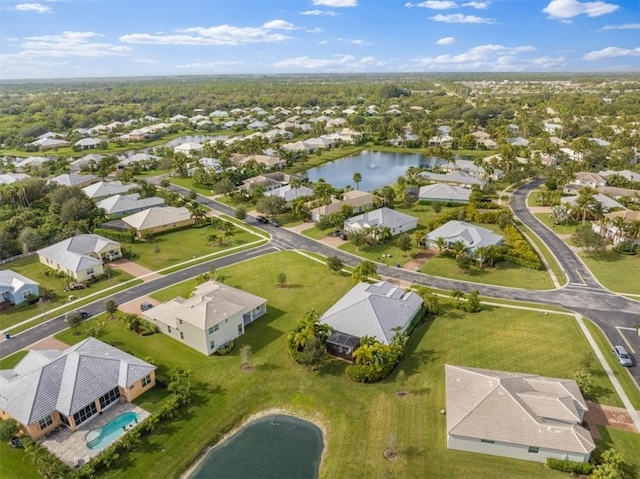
{"x": 274, "y": 446}
{"x": 377, "y": 168}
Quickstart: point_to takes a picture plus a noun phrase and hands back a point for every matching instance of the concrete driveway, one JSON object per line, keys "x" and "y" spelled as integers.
{"x": 134, "y": 305}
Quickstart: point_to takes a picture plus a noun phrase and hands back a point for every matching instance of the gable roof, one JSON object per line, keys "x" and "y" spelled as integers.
{"x": 471, "y": 235}
{"x": 516, "y": 408}
{"x": 66, "y": 381}
{"x": 211, "y": 303}
{"x": 441, "y": 191}
{"x": 373, "y": 310}
{"x": 12, "y": 281}
{"x": 73, "y": 179}
{"x": 103, "y": 189}
{"x": 289, "y": 193}
{"x": 157, "y": 216}
{"x": 116, "y": 204}
{"x": 74, "y": 253}
{"x": 381, "y": 217}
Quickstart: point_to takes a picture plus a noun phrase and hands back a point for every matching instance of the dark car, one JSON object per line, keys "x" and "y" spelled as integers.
{"x": 343, "y": 236}
{"x": 84, "y": 314}
{"x": 622, "y": 356}
{"x": 337, "y": 233}
{"x": 275, "y": 222}
{"x": 145, "y": 306}
{"x": 262, "y": 219}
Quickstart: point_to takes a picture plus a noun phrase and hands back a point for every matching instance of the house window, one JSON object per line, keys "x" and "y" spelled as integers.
{"x": 26, "y": 293}
{"x": 181, "y": 335}
{"x": 146, "y": 381}
{"x": 168, "y": 329}
{"x": 239, "y": 329}
{"x": 212, "y": 344}
{"x": 213, "y": 329}
{"x": 89, "y": 271}
{"x": 488, "y": 441}
{"x": 180, "y": 321}
{"x": 85, "y": 413}
{"x": 534, "y": 450}
{"x": 46, "y": 422}
{"x": 110, "y": 397}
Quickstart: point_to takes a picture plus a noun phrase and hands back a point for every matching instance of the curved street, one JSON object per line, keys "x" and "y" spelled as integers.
{"x": 583, "y": 294}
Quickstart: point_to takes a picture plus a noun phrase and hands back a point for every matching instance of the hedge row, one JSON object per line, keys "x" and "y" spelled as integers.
{"x": 521, "y": 252}
{"x": 120, "y": 236}
{"x": 583, "y": 468}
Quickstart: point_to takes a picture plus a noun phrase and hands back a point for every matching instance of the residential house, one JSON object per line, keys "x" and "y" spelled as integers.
{"x": 459, "y": 178}
{"x": 272, "y": 162}
{"x": 89, "y": 161}
{"x": 15, "y": 288}
{"x": 269, "y": 181}
{"x": 359, "y": 200}
{"x": 444, "y": 193}
{"x": 468, "y": 166}
{"x": 552, "y": 128}
{"x": 446, "y": 141}
{"x": 88, "y": 143}
{"x": 582, "y": 179}
{"x": 258, "y": 125}
{"x": 50, "y": 388}
{"x": 188, "y": 148}
{"x": 73, "y": 179}
{"x": 49, "y": 143}
{"x": 516, "y": 415}
{"x": 608, "y": 204}
{"x": 300, "y": 146}
{"x": 626, "y": 174}
{"x": 373, "y": 310}
{"x": 10, "y": 178}
{"x": 384, "y": 217}
{"x": 31, "y": 161}
{"x": 104, "y": 189}
{"x": 472, "y": 236}
{"x": 144, "y": 161}
{"x": 120, "y": 205}
{"x": 290, "y": 193}
{"x": 607, "y": 228}
{"x": 177, "y": 118}
{"x": 618, "y": 193}
{"x": 81, "y": 257}
{"x": 518, "y": 141}
{"x": 213, "y": 316}
{"x": 599, "y": 142}
{"x": 154, "y": 220}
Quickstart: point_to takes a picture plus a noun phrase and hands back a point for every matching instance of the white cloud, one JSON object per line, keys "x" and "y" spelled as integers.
{"x": 446, "y": 41}
{"x": 339, "y": 62}
{"x": 477, "y": 5}
{"x": 217, "y": 35}
{"x": 33, "y": 7}
{"x": 612, "y": 52}
{"x": 567, "y": 9}
{"x": 626, "y": 26}
{"x": 336, "y": 3}
{"x": 323, "y": 42}
{"x": 314, "y": 30}
{"x": 207, "y": 65}
{"x": 278, "y": 25}
{"x": 316, "y": 12}
{"x": 67, "y": 44}
{"x": 356, "y": 41}
{"x": 359, "y": 42}
{"x": 489, "y": 58}
{"x": 434, "y": 4}
{"x": 460, "y": 18}
{"x": 144, "y": 60}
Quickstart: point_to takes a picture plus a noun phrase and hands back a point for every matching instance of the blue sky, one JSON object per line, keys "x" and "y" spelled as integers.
{"x": 93, "y": 38}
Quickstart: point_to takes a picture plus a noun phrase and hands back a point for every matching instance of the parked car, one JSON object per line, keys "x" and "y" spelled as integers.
{"x": 144, "y": 306}
{"x": 343, "y": 236}
{"x": 275, "y": 222}
{"x": 84, "y": 314}
{"x": 75, "y": 286}
{"x": 622, "y": 356}
{"x": 337, "y": 233}
{"x": 262, "y": 219}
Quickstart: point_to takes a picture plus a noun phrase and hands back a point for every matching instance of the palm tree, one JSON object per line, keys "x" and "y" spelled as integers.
{"x": 633, "y": 230}
{"x": 585, "y": 200}
{"x": 198, "y": 212}
{"x": 459, "y": 247}
{"x": 357, "y": 178}
{"x": 456, "y": 296}
{"x": 213, "y": 239}
{"x": 441, "y": 243}
{"x": 620, "y": 225}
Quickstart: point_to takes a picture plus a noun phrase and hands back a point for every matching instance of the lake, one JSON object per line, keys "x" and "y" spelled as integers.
{"x": 274, "y": 446}
{"x": 377, "y": 168}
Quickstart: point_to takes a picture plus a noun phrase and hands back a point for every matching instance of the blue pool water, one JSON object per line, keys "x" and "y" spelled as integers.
{"x": 98, "y": 439}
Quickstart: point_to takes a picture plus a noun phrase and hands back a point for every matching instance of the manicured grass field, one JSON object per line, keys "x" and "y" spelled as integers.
{"x": 317, "y": 233}
{"x": 325, "y": 156}
{"x": 388, "y": 254}
{"x": 626, "y": 443}
{"x": 567, "y": 229}
{"x": 551, "y": 260}
{"x": 359, "y": 418}
{"x": 618, "y": 272}
{"x": 424, "y": 213}
{"x": 188, "y": 183}
{"x": 182, "y": 245}
{"x": 502, "y": 274}
{"x": 33, "y": 269}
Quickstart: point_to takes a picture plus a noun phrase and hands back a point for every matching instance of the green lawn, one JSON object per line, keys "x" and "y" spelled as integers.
{"x": 323, "y": 157}
{"x": 359, "y": 417}
{"x": 10, "y": 361}
{"x": 188, "y": 183}
{"x": 627, "y": 383}
{"x": 567, "y": 229}
{"x": 551, "y": 260}
{"x": 388, "y": 254}
{"x": 316, "y": 233}
{"x": 502, "y": 274}
{"x": 182, "y": 245}
{"x": 33, "y": 269}
{"x": 532, "y": 198}
{"x": 625, "y": 442}
{"x": 424, "y": 213}
{"x": 618, "y": 272}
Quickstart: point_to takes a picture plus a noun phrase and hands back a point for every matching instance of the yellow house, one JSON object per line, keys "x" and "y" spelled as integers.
{"x": 82, "y": 256}
{"x": 159, "y": 219}
{"x": 51, "y": 388}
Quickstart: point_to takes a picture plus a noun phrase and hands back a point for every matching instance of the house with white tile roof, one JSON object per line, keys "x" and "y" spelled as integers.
{"x": 155, "y": 220}
{"x": 81, "y": 257}
{"x": 16, "y": 288}
{"x": 289, "y": 193}
{"x": 73, "y": 179}
{"x": 471, "y": 235}
{"x": 50, "y": 388}
{"x": 9, "y": 178}
{"x": 516, "y": 415}
{"x": 104, "y": 189}
{"x": 120, "y": 205}
{"x": 444, "y": 193}
{"x": 88, "y": 143}
{"x": 384, "y": 217}
{"x": 214, "y": 315}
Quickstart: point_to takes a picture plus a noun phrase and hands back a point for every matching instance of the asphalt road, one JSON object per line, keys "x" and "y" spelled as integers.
{"x": 583, "y": 294}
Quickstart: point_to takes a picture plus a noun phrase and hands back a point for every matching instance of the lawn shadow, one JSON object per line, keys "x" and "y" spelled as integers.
{"x": 260, "y": 334}
{"x": 607, "y": 256}
{"x": 412, "y": 451}
{"x": 267, "y": 367}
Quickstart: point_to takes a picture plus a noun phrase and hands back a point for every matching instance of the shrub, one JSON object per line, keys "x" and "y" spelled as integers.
{"x": 120, "y": 236}
{"x": 8, "y": 429}
{"x": 583, "y": 468}
{"x": 521, "y": 252}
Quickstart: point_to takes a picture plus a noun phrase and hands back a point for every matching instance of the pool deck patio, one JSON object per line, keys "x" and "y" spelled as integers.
{"x": 71, "y": 447}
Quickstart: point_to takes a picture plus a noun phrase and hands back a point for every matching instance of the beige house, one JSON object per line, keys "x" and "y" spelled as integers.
{"x": 81, "y": 257}
{"x": 213, "y": 316}
{"x": 521, "y": 416}
{"x": 50, "y": 388}
{"x": 360, "y": 200}
{"x": 608, "y": 229}
{"x": 158, "y": 220}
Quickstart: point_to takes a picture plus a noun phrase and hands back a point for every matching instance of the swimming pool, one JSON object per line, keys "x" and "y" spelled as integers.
{"x": 98, "y": 439}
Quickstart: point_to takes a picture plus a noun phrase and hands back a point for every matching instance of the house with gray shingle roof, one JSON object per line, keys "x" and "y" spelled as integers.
{"x": 10, "y": 178}
{"x": 155, "y": 220}
{"x": 73, "y": 179}
{"x": 15, "y": 288}
{"x": 51, "y": 388}
{"x": 384, "y": 217}
{"x": 444, "y": 193}
{"x": 516, "y": 415}
{"x": 213, "y": 316}
{"x": 373, "y": 310}
{"x": 104, "y": 189}
{"x": 471, "y": 235}
{"x": 120, "y": 205}
{"x": 457, "y": 177}
{"x": 81, "y": 256}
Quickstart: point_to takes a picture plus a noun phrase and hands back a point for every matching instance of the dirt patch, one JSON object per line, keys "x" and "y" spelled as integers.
{"x": 390, "y": 455}
{"x": 600, "y": 415}
{"x": 134, "y": 269}
{"x": 48, "y": 343}
{"x": 422, "y": 258}
{"x": 540, "y": 209}
{"x": 134, "y": 306}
